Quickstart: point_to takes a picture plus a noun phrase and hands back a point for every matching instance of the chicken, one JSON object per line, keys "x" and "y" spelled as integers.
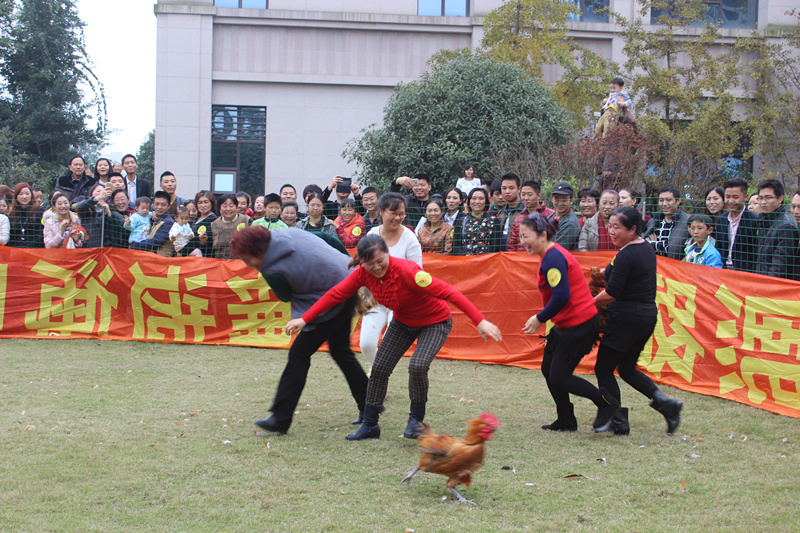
{"x": 597, "y": 284}
{"x": 453, "y": 457}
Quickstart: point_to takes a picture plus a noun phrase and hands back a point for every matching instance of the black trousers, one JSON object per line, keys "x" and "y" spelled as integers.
{"x": 625, "y": 338}
{"x": 564, "y": 350}
{"x": 337, "y": 332}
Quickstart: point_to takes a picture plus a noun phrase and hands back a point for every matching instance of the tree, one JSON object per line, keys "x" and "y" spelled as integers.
{"x": 777, "y": 102}
{"x": 534, "y": 34}
{"x": 14, "y": 169}
{"x": 46, "y": 75}
{"x": 687, "y": 80}
{"x": 465, "y": 109}
{"x": 146, "y": 158}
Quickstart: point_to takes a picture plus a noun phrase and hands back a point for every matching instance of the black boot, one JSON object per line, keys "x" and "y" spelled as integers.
{"x": 605, "y": 411}
{"x": 415, "y": 417}
{"x": 619, "y": 423}
{"x": 566, "y": 420}
{"x": 670, "y": 408}
{"x": 369, "y": 428}
{"x": 360, "y": 419}
{"x": 272, "y": 424}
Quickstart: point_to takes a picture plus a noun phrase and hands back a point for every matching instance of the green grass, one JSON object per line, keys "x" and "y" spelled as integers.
{"x": 113, "y": 436}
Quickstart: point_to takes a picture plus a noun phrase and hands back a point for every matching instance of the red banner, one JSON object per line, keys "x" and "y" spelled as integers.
{"x": 722, "y": 333}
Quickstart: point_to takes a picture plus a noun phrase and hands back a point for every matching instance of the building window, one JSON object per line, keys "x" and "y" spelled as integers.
{"x": 238, "y": 145}
{"x": 443, "y": 8}
{"x": 590, "y": 11}
{"x": 247, "y": 4}
{"x": 738, "y": 14}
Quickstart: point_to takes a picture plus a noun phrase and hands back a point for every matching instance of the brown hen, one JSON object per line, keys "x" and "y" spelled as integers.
{"x": 453, "y": 457}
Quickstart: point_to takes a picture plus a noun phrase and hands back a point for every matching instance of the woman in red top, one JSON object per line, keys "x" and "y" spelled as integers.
{"x": 571, "y": 308}
{"x": 420, "y": 313}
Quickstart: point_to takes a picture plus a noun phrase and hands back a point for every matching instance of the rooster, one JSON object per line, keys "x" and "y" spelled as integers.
{"x": 597, "y": 284}
{"x": 455, "y": 458}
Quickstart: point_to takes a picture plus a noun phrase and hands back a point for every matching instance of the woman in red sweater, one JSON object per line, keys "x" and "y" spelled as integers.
{"x": 569, "y": 305}
{"x": 420, "y": 313}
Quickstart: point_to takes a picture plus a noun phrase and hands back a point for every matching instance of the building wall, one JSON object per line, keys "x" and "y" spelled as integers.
{"x": 324, "y": 69}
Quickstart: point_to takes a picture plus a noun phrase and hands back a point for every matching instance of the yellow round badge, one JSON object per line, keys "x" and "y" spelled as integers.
{"x": 553, "y": 276}
{"x": 422, "y": 278}
{"x": 241, "y": 226}
{"x": 201, "y": 230}
{"x": 357, "y": 231}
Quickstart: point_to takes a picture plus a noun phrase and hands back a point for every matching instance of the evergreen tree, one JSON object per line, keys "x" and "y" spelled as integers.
{"x": 146, "y": 158}
{"x": 466, "y": 109}
{"x": 50, "y": 92}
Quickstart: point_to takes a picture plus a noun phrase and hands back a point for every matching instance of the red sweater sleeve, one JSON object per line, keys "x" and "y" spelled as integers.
{"x": 422, "y": 282}
{"x": 337, "y": 294}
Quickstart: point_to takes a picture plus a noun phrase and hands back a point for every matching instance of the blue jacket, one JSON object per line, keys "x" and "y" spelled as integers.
{"x": 708, "y": 255}
{"x": 159, "y": 238}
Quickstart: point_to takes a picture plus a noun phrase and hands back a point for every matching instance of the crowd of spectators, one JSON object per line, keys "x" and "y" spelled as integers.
{"x": 109, "y": 205}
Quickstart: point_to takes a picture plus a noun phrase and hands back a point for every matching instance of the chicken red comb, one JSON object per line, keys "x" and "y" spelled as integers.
{"x": 490, "y": 419}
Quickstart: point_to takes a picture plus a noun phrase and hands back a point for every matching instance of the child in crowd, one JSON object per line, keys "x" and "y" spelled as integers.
{"x": 181, "y": 232}
{"x": 350, "y": 225}
{"x": 139, "y": 222}
{"x": 469, "y": 179}
{"x": 701, "y": 251}
{"x": 617, "y": 99}
{"x": 272, "y": 218}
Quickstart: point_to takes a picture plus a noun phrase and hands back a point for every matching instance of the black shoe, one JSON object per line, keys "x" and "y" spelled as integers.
{"x": 270, "y": 424}
{"x": 619, "y": 423}
{"x": 413, "y": 429}
{"x": 562, "y": 425}
{"x": 360, "y": 419}
{"x": 605, "y": 412}
{"x": 365, "y": 432}
{"x": 670, "y": 408}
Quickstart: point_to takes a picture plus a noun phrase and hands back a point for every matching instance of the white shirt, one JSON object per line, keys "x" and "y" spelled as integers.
{"x": 467, "y": 186}
{"x": 407, "y": 247}
{"x": 131, "y": 191}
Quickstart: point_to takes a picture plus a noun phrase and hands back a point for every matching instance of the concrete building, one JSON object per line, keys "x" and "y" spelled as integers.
{"x": 251, "y": 94}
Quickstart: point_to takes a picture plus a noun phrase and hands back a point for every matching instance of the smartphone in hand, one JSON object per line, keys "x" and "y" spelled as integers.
{"x": 343, "y": 187}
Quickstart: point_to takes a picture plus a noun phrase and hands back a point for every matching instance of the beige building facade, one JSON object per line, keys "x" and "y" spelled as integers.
{"x": 252, "y": 94}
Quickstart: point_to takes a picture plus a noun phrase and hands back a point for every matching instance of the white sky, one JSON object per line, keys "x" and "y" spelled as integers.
{"x": 121, "y": 42}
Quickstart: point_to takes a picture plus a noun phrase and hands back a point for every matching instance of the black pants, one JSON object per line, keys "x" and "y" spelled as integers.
{"x": 337, "y": 332}
{"x": 625, "y": 338}
{"x": 562, "y": 353}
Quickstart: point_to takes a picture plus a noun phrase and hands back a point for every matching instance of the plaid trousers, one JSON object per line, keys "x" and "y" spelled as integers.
{"x": 396, "y": 341}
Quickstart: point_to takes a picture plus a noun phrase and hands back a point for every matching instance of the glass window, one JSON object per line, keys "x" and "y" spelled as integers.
{"x": 456, "y": 8}
{"x": 254, "y": 4}
{"x": 438, "y": 8}
{"x": 238, "y": 147}
{"x": 226, "y": 3}
{"x": 590, "y": 11}
{"x": 739, "y": 14}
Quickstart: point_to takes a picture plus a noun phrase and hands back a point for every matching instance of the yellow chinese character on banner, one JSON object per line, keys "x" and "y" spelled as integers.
{"x": 774, "y": 324}
{"x": 676, "y": 345}
{"x": 149, "y": 292}
{"x": 64, "y": 308}
{"x": 263, "y": 318}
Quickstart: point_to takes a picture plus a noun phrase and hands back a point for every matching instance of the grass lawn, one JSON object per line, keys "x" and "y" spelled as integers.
{"x": 130, "y": 436}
